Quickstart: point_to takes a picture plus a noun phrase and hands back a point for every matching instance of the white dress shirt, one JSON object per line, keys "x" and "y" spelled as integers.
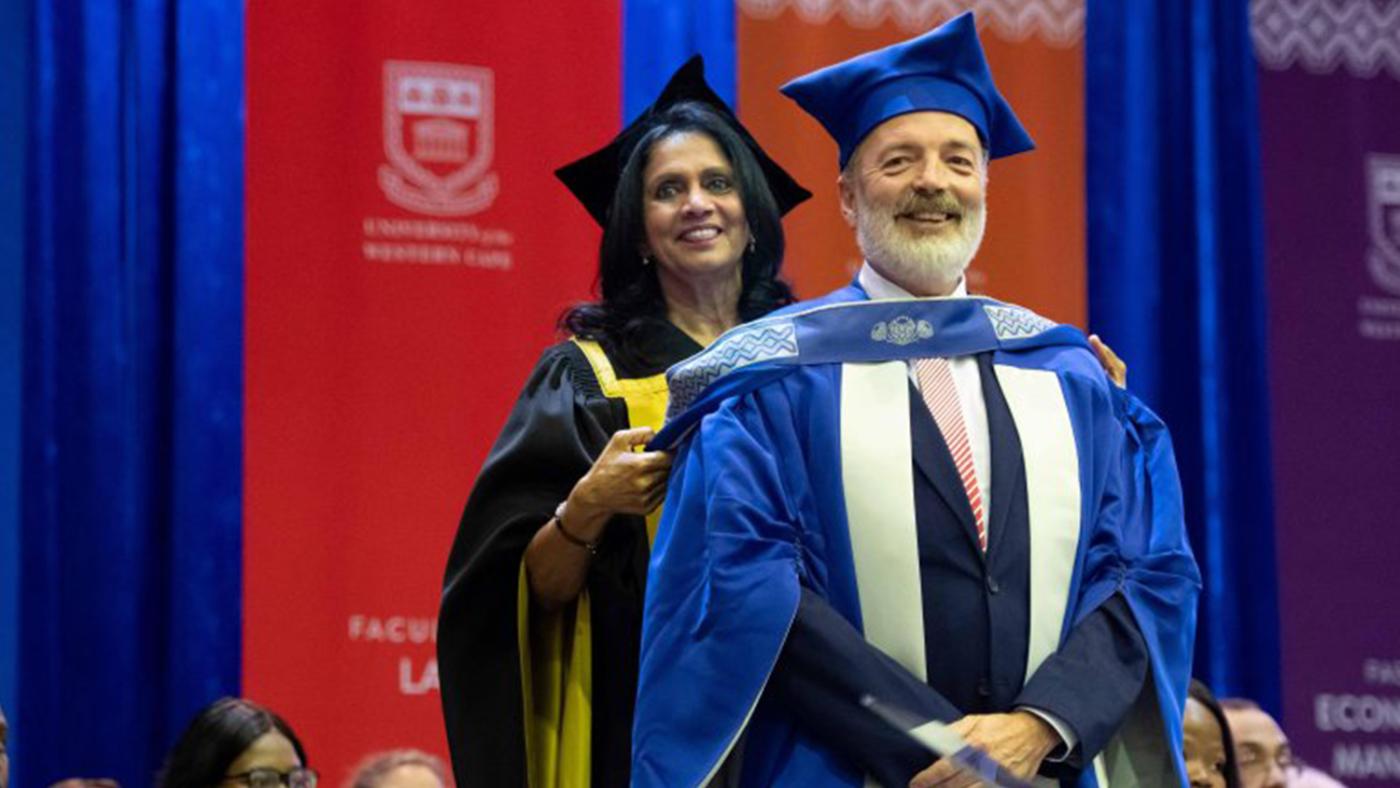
{"x": 967, "y": 381}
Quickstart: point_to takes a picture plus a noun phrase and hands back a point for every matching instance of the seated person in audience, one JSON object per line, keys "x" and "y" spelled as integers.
{"x": 1209, "y": 750}
{"x": 399, "y": 769}
{"x": 235, "y": 742}
{"x": 1265, "y": 757}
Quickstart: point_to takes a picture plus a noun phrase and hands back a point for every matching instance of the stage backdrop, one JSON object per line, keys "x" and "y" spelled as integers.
{"x": 407, "y": 252}
{"x": 1329, "y": 94}
{"x": 1034, "y": 250}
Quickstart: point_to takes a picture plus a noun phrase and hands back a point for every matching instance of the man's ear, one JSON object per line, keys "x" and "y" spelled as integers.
{"x": 847, "y": 190}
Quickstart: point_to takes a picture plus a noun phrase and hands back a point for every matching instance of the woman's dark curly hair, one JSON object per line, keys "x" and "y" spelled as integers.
{"x": 214, "y": 740}
{"x": 631, "y": 295}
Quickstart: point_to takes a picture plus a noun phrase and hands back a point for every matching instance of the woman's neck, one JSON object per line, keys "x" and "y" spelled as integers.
{"x": 702, "y": 309}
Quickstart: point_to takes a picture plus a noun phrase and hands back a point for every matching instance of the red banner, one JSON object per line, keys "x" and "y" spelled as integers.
{"x": 407, "y": 251}
{"x": 1034, "y": 249}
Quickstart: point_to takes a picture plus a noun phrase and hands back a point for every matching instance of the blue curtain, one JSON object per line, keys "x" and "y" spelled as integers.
{"x": 132, "y": 382}
{"x": 659, "y": 35}
{"x": 1176, "y": 285}
{"x": 13, "y": 56}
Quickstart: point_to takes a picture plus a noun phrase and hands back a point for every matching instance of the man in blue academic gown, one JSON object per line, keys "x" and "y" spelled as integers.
{"x": 905, "y": 492}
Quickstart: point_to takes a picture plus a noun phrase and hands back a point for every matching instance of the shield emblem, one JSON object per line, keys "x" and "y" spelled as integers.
{"x": 438, "y": 137}
{"x": 1383, "y": 181}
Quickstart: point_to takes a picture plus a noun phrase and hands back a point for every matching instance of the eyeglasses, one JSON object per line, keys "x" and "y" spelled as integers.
{"x": 271, "y": 778}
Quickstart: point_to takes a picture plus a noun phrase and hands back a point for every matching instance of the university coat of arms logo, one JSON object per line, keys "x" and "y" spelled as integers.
{"x": 901, "y": 331}
{"x": 438, "y": 121}
{"x": 1383, "y": 181}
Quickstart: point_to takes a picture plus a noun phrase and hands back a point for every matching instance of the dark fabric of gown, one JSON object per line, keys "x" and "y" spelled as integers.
{"x": 560, "y": 423}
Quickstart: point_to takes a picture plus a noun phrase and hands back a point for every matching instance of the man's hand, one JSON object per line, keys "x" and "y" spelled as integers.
{"x": 1019, "y": 741}
{"x": 1116, "y": 367}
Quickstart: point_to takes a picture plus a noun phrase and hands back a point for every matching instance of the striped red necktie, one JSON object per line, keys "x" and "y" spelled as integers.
{"x": 941, "y": 396}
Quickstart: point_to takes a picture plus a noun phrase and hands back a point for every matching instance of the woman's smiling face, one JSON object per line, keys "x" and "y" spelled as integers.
{"x": 694, "y": 214}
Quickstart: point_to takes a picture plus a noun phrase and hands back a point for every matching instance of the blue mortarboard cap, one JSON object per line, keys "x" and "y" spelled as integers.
{"x": 943, "y": 70}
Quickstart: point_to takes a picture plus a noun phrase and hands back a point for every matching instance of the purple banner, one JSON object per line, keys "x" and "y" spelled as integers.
{"x": 1329, "y": 91}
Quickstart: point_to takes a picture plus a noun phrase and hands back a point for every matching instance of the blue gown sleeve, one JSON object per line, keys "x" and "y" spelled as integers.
{"x": 1139, "y": 551}
{"x": 722, "y": 590}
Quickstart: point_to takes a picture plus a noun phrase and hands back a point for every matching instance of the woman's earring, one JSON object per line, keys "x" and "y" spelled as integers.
{"x": 646, "y": 259}
{"x": 753, "y": 243}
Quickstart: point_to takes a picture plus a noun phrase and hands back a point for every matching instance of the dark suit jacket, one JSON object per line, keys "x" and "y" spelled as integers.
{"x": 976, "y": 625}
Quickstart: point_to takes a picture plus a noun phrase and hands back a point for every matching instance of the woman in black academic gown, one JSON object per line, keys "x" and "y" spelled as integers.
{"x": 541, "y": 610}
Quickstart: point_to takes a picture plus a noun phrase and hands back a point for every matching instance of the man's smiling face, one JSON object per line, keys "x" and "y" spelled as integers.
{"x": 915, "y": 190}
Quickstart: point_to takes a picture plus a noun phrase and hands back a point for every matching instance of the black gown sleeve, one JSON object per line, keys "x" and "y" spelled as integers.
{"x": 823, "y": 671}
{"x": 1091, "y": 681}
{"x": 826, "y": 666}
{"x": 547, "y": 444}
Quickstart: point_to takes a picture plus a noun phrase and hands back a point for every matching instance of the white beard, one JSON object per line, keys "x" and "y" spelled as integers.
{"x": 923, "y": 266}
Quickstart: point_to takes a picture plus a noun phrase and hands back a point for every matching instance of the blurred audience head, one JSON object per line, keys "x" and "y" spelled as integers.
{"x": 1210, "y": 757}
{"x": 399, "y": 769}
{"x": 1261, "y": 749}
{"x": 237, "y": 742}
{"x": 86, "y": 782}
{"x": 4, "y": 750}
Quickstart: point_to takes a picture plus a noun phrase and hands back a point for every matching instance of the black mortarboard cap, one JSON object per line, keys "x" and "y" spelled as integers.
{"x": 593, "y": 178}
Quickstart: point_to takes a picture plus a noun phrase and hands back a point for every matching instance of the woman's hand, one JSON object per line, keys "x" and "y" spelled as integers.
{"x": 621, "y": 481}
{"x": 1116, "y": 368}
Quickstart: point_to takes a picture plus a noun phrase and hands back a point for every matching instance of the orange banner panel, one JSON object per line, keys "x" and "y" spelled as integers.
{"x": 1034, "y": 251}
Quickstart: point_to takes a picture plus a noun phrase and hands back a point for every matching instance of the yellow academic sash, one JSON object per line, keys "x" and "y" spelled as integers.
{"x": 556, "y": 649}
